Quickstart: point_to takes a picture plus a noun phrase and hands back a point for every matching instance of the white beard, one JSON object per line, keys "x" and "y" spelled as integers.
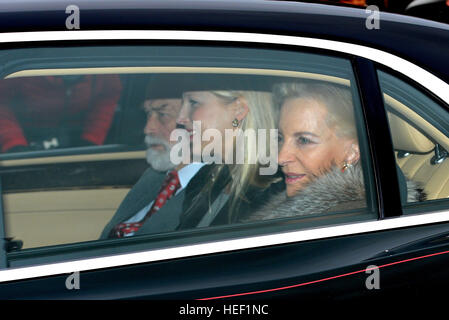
{"x": 158, "y": 160}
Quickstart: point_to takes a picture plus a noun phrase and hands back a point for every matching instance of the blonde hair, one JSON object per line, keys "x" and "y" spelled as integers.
{"x": 337, "y": 100}
{"x": 261, "y": 115}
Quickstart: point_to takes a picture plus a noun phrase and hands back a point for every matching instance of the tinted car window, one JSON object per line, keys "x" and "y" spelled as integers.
{"x": 419, "y": 130}
{"x": 157, "y": 146}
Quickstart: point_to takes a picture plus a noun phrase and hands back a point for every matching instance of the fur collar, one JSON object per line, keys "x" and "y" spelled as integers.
{"x": 336, "y": 189}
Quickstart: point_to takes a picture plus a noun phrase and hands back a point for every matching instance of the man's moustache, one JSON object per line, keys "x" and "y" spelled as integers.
{"x": 150, "y": 141}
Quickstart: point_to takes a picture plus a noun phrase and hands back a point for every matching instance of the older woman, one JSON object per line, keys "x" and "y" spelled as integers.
{"x": 225, "y": 104}
{"x": 319, "y": 152}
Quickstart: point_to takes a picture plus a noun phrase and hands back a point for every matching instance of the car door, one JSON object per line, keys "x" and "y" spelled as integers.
{"x": 328, "y": 256}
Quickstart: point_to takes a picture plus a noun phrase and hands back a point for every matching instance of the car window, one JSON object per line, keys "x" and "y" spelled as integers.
{"x": 419, "y": 130}
{"x": 152, "y": 146}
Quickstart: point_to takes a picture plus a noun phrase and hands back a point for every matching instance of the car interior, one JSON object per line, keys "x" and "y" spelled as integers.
{"x": 420, "y": 149}
{"x": 70, "y": 215}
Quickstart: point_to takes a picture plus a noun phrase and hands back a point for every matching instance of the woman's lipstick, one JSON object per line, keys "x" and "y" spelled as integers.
{"x": 190, "y": 132}
{"x": 291, "y": 177}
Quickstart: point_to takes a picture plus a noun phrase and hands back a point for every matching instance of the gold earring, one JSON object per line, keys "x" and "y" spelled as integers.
{"x": 346, "y": 166}
{"x": 235, "y": 123}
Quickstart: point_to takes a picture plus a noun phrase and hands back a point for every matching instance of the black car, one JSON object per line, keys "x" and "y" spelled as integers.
{"x": 70, "y": 157}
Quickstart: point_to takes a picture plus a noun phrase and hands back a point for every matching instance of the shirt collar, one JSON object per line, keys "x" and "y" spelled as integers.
{"x": 188, "y": 172}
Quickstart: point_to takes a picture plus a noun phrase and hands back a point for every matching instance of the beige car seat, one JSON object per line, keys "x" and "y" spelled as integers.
{"x": 414, "y": 153}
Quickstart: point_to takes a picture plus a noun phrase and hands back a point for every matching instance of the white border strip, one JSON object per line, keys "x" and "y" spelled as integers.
{"x": 428, "y": 80}
{"x": 425, "y": 78}
{"x": 220, "y": 246}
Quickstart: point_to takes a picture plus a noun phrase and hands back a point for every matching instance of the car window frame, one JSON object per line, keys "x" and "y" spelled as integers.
{"x": 379, "y": 139}
{"x": 140, "y": 242}
{"x": 433, "y": 118}
{"x": 3, "y": 240}
{"x": 243, "y": 243}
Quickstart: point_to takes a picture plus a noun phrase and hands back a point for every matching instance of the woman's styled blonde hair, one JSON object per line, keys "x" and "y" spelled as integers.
{"x": 261, "y": 115}
{"x": 336, "y": 98}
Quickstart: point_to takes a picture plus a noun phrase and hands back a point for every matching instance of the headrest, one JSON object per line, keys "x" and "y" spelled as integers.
{"x": 407, "y": 138}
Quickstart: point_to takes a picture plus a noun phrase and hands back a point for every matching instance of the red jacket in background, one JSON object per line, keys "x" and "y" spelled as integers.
{"x": 45, "y": 102}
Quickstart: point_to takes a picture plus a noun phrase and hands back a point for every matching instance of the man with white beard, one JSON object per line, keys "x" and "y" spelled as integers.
{"x": 161, "y": 120}
{"x": 158, "y": 159}
{"x": 154, "y": 204}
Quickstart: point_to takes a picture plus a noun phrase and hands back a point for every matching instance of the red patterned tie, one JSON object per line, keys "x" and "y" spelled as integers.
{"x": 168, "y": 189}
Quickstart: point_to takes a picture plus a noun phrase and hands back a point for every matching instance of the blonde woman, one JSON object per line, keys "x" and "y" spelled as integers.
{"x": 222, "y": 192}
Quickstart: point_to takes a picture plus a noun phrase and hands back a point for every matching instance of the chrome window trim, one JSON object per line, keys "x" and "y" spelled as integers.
{"x": 425, "y": 78}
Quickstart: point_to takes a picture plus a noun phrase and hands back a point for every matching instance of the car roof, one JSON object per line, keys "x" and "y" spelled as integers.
{"x": 421, "y": 41}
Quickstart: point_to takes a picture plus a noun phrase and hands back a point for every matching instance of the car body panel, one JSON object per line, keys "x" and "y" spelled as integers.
{"x": 265, "y": 268}
{"x": 397, "y": 33}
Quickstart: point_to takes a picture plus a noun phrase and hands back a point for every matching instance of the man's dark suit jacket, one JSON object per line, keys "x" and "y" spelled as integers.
{"x": 142, "y": 193}
{"x": 186, "y": 209}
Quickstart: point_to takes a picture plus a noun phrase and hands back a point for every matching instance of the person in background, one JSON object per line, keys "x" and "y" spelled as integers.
{"x": 56, "y": 111}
